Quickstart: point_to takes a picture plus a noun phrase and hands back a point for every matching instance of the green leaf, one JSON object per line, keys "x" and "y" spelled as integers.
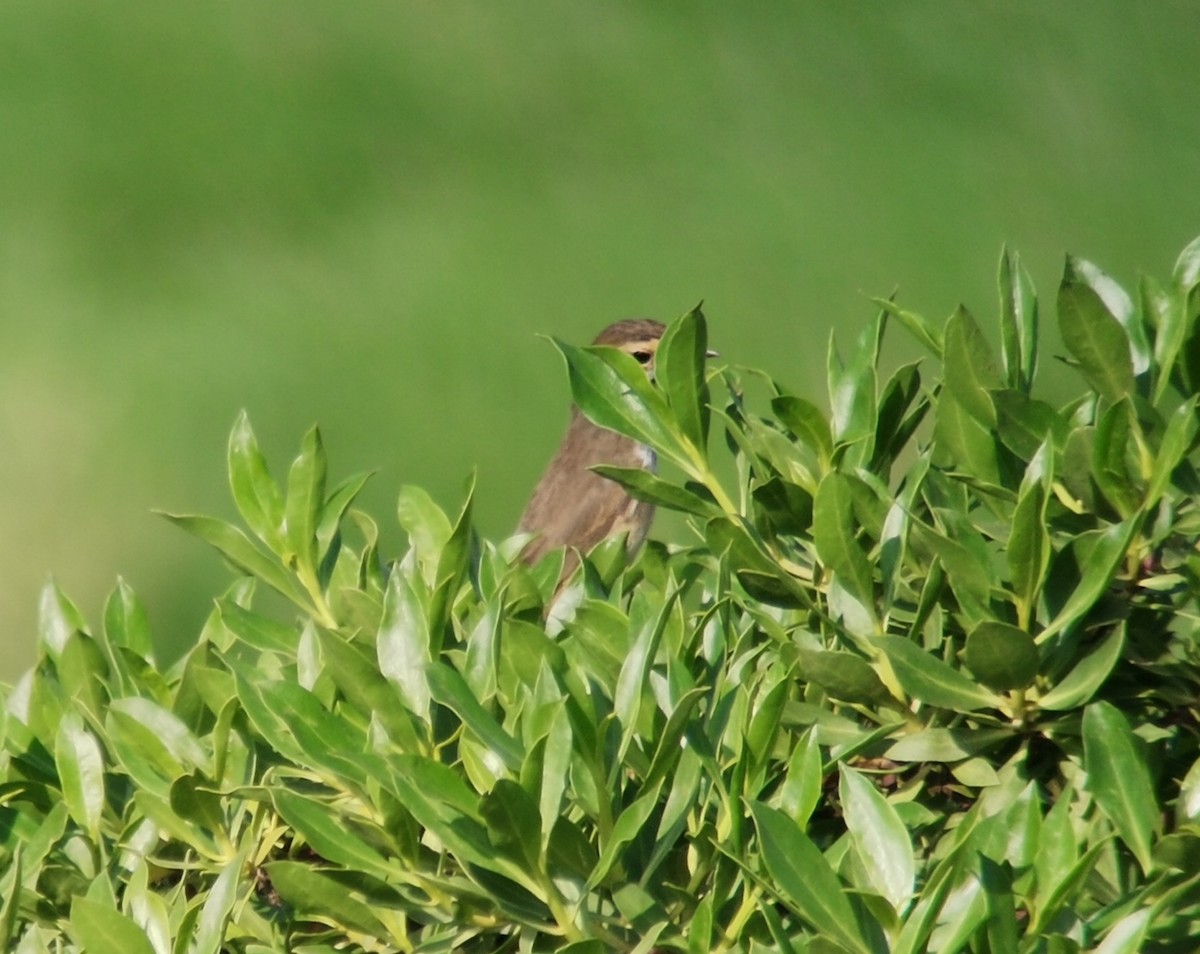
{"x": 800, "y": 873}
{"x": 1120, "y": 306}
{"x": 1119, "y": 778}
{"x": 834, "y": 532}
{"x": 1001, "y": 656}
{"x": 1093, "y": 336}
{"x": 254, "y": 491}
{"x": 1024, "y": 424}
{"x": 1128, "y": 935}
{"x": 919, "y": 327}
{"x": 880, "y": 838}
{"x": 844, "y": 676}
{"x": 612, "y": 390}
{"x": 1090, "y": 673}
{"x": 513, "y": 822}
{"x": 627, "y": 827}
{"x": 218, "y": 906}
{"x": 314, "y": 892}
{"x": 100, "y": 929}
{"x": 427, "y": 526}
{"x": 927, "y": 678}
{"x": 801, "y": 789}
{"x": 852, "y": 397}
{"x": 969, "y": 369}
{"x": 57, "y": 619}
{"x": 125, "y": 621}
{"x": 1100, "y": 565}
{"x": 1187, "y": 266}
{"x": 643, "y": 485}
{"x": 1028, "y": 551}
{"x": 450, "y": 689}
{"x": 80, "y": 765}
{"x": 403, "y": 644}
{"x": 305, "y": 498}
{"x": 807, "y": 424}
{"x": 1177, "y": 440}
{"x": 1018, "y": 322}
{"x": 322, "y": 827}
{"x": 1113, "y": 446}
{"x": 679, "y": 369}
{"x": 243, "y": 555}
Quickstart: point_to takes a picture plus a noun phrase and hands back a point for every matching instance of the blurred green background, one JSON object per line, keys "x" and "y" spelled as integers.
{"x": 364, "y": 214}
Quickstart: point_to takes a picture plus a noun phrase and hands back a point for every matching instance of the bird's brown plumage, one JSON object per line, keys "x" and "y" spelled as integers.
{"x": 574, "y": 507}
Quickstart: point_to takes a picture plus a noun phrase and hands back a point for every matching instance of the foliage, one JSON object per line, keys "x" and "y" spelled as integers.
{"x": 925, "y": 681}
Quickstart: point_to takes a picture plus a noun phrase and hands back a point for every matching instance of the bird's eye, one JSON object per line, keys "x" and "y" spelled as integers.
{"x": 643, "y": 357}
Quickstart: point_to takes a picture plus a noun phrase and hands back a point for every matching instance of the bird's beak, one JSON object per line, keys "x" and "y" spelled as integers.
{"x": 712, "y": 354}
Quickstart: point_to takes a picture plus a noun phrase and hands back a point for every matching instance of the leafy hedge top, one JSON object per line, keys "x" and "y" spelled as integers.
{"x": 927, "y": 680}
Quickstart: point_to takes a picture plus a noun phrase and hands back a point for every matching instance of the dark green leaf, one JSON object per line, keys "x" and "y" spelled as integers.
{"x": 1001, "y": 656}
{"x": 844, "y": 676}
{"x": 612, "y": 389}
{"x": 513, "y": 822}
{"x": 1107, "y": 552}
{"x": 323, "y": 828}
{"x": 314, "y": 892}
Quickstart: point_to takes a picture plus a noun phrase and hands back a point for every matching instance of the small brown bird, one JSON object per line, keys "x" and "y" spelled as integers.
{"x": 574, "y": 507}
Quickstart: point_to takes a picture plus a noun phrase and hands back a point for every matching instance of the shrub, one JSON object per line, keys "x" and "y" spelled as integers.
{"x": 925, "y": 680}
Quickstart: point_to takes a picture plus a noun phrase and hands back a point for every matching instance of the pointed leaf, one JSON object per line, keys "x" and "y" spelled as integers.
{"x": 1094, "y": 337}
{"x": 255, "y": 493}
{"x": 968, "y": 367}
{"x": 1119, "y": 778}
{"x": 100, "y": 929}
{"x": 801, "y": 874}
{"x": 883, "y": 843}
{"x": 834, "y": 532}
{"x": 927, "y": 678}
{"x": 679, "y": 368}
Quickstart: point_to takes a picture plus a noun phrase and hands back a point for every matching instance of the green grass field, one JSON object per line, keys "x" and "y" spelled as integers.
{"x": 366, "y": 216}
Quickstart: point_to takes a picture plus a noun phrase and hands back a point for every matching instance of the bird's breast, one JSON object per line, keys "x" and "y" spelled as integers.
{"x": 647, "y": 458}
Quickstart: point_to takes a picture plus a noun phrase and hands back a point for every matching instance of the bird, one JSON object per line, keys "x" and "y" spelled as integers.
{"x": 574, "y": 507}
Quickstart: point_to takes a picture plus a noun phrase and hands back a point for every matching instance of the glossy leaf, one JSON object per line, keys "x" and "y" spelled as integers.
{"x": 1094, "y": 337}
{"x": 255, "y": 493}
{"x": 1018, "y": 322}
{"x": 679, "y": 369}
{"x": 834, "y": 532}
{"x": 882, "y": 841}
{"x": 927, "y": 678}
{"x": 1118, "y": 777}
{"x": 802, "y": 875}
{"x": 80, "y": 766}
{"x": 970, "y": 369}
{"x": 102, "y": 930}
